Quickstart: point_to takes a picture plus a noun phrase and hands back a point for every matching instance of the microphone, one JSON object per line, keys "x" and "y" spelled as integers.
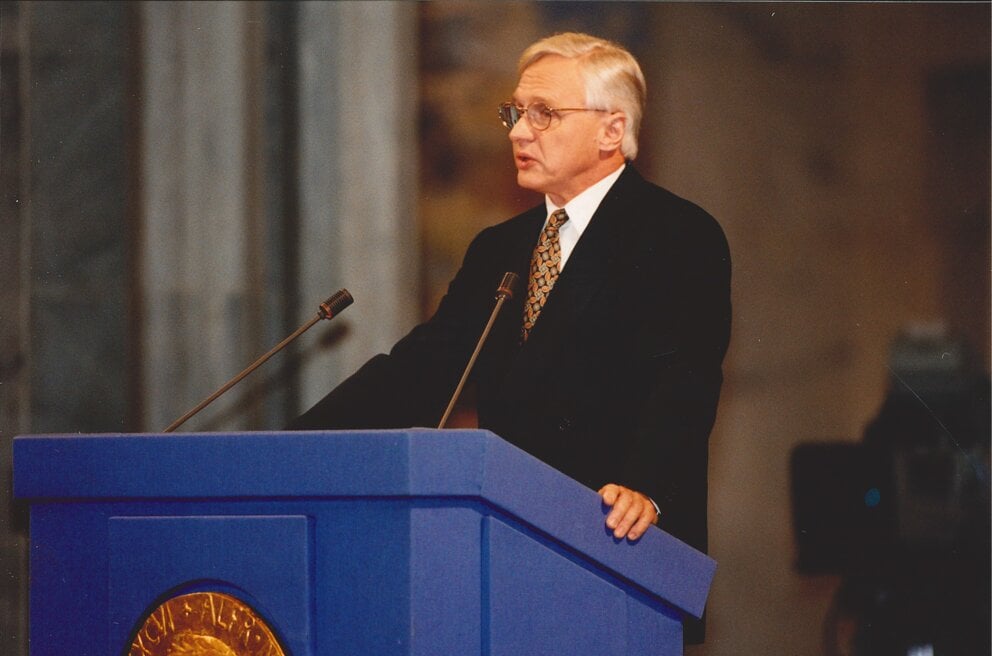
{"x": 503, "y": 292}
{"x": 327, "y": 310}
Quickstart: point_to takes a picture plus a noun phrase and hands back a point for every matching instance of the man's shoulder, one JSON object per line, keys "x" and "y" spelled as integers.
{"x": 633, "y": 185}
{"x": 527, "y": 221}
{"x": 657, "y": 209}
{"x": 509, "y": 235}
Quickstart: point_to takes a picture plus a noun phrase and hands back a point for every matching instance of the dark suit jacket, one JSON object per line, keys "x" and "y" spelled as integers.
{"x": 618, "y": 381}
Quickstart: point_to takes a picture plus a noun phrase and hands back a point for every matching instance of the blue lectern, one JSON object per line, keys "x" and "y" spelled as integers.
{"x": 417, "y": 541}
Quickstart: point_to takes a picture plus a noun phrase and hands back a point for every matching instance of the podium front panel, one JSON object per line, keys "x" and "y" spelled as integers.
{"x": 393, "y": 543}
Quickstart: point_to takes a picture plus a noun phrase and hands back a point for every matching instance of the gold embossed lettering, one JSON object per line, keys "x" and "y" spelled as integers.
{"x": 245, "y": 633}
{"x": 219, "y": 617}
{"x": 204, "y": 623}
{"x": 140, "y": 647}
{"x": 159, "y": 624}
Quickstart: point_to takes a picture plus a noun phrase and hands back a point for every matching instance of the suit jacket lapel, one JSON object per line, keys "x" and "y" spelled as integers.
{"x": 584, "y": 283}
{"x": 590, "y": 267}
{"x": 505, "y": 336}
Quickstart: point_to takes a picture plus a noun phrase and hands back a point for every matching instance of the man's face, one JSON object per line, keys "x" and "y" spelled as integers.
{"x": 563, "y": 159}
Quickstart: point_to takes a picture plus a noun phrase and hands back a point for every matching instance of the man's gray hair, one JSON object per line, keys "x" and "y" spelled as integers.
{"x": 613, "y": 78}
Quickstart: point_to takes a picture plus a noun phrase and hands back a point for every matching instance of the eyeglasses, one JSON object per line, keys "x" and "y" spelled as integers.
{"x": 538, "y": 114}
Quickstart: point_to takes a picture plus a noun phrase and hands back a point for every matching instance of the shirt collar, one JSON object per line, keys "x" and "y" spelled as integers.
{"x": 581, "y": 208}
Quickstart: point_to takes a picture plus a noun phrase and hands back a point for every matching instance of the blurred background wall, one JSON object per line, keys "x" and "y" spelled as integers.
{"x": 183, "y": 183}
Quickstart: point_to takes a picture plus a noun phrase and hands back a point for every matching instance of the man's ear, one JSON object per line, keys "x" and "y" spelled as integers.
{"x": 612, "y": 131}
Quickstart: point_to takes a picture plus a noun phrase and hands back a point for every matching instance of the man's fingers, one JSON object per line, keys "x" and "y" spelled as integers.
{"x": 642, "y": 525}
{"x": 620, "y": 507}
{"x": 631, "y": 513}
{"x": 609, "y": 493}
{"x": 631, "y": 516}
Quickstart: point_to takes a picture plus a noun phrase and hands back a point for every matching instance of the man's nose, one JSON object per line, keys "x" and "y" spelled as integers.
{"x": 522, "y": 130}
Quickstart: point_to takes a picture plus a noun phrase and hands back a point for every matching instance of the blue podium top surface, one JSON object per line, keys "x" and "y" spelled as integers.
{"x": 394, "y": 463}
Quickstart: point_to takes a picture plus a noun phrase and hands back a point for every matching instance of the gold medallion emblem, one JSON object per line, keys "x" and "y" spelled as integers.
{"x": 204, "y": 624}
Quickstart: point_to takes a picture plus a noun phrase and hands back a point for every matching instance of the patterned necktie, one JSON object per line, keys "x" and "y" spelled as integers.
{"x": 543, "y": 270}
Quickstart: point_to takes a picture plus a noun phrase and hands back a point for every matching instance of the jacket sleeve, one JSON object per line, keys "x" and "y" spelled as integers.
{"x": 669, "y": 458}
{"x": 411, "y": 385}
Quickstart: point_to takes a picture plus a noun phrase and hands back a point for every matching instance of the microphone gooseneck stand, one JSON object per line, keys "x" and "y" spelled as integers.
{"x": 327, "y": 310}
{"x": 503, "y": 292}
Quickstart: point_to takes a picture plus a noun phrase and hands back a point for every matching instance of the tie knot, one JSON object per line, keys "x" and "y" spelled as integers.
{"x": 558, "y": 217}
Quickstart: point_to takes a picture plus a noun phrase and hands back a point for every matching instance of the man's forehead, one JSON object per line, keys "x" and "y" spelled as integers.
{"x": 548, "y": 80}
{"x": 521, "y": 97}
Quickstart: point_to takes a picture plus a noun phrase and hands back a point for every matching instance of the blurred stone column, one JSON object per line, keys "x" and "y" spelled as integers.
{"x": 63, "y": 228}
{"x": 199, "y": 218}
{"x": 15, "y": 342}
{"x": 206, "y": 261}
{"x": 358, "y": 223}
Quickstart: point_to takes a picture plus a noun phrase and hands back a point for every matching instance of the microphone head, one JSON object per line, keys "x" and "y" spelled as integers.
{"x": 335, "y": 304}
{"x": 507, "y": 285}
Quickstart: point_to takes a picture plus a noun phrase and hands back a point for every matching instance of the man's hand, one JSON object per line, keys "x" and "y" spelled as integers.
{"x": 632, "y": 512}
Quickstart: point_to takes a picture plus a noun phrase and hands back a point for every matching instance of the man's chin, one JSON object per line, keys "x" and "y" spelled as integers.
{"x": 527, "y": 179}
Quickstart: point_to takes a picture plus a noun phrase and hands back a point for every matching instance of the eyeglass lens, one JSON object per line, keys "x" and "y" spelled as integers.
{"x": 509, "y": 114}
{"x": 537, "y": 114}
